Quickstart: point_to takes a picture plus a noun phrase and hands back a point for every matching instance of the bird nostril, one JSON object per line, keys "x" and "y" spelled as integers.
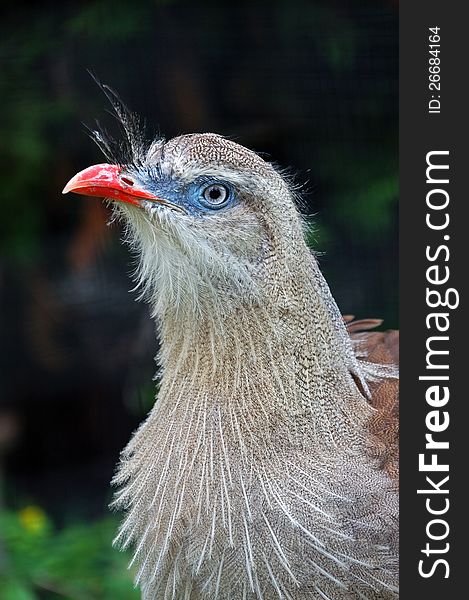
{"x": 127, "y": 180}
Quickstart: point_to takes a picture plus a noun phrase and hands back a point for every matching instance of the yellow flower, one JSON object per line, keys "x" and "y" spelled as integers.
{"x": 33, "y": 519}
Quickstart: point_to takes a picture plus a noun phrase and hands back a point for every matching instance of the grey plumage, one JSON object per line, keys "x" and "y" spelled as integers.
{"x": 256, "y": 474}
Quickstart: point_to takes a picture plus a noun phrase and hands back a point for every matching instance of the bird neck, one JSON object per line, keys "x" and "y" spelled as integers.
{"x": 284, "y": 358}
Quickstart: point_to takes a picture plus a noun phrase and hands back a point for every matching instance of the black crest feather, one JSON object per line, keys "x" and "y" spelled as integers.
{"x": 132, "y": 145}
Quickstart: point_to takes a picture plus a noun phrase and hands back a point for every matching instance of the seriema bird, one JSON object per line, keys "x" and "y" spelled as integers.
{"x": 267, "y": 467}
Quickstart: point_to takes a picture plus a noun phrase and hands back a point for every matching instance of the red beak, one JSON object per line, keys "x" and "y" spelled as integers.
{"x": 107, "y": 181}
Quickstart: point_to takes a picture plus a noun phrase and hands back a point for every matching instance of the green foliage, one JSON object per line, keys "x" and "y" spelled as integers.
{"x": 366, "y": 189}
{"x": 92, "y": 20}
{"x": 76, "y": 562}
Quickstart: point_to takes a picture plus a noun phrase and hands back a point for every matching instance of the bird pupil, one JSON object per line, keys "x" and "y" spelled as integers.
{"x": 215, "y": 193}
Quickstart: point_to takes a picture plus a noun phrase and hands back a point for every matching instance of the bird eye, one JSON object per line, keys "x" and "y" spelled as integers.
{"x": 215, "y": 195}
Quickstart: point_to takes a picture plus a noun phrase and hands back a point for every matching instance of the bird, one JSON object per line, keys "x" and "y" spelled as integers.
{"x": 267, "y": 468}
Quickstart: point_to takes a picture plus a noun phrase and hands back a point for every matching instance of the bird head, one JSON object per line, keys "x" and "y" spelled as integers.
{"x": 202, "y": 211}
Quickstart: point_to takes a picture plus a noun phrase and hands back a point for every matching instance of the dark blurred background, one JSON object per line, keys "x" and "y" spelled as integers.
{"x": 312, "y": 85}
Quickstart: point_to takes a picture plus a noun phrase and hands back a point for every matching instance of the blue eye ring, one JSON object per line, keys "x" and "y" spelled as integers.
{"x": 215, "y": 196}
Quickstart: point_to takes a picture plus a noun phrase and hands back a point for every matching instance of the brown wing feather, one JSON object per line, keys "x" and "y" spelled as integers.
{"x": 381, "y": 347}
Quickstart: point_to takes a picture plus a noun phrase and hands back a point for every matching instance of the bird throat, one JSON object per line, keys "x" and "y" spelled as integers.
{"x": 287, "y": 359}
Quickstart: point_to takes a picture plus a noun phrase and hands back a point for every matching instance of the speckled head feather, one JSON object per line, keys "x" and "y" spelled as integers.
{"x": 255, "y": 474}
